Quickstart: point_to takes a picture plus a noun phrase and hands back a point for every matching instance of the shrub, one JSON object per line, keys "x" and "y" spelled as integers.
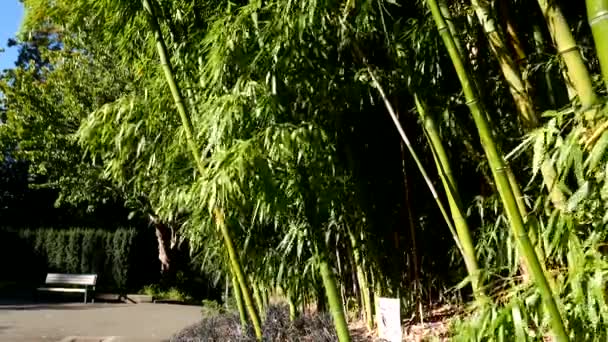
{"x": 171, "y": 293}
{"x": 111, "y": 254}
{"x": 277, "y": 327}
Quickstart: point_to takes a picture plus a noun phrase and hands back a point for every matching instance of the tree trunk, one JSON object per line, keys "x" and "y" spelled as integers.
{"x": 163, "y": 248}
{"x": 163, "y": 239}
{"x": 405, "y": 139}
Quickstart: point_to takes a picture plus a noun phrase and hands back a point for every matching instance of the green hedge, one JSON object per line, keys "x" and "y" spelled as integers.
{"x": 115, "y": 256}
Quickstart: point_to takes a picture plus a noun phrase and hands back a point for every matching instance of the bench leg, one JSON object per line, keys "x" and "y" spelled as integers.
{"x": 85, "y": 296}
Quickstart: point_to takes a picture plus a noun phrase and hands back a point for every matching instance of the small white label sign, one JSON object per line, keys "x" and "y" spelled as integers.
{"x": 388, "y": 316}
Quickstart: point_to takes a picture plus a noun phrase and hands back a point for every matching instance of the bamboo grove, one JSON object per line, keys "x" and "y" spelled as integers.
{"x": 331, "y": 152}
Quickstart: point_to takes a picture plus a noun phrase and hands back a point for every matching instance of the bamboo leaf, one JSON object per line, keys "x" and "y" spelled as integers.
{"x": 518, "y": 322}
{"x": 597, "y": 153}
{"x": 539, "y": 151}
{"x": 577, "y": 158}
{"x": 581, "y": 194}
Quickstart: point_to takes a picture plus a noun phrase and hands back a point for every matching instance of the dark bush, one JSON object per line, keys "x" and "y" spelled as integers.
{"x": 118, "y": 256}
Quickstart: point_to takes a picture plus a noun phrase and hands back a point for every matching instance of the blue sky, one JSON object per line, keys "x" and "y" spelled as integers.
{"x": 11, "y": 13}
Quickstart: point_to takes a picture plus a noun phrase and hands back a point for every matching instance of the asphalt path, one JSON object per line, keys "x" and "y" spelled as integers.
{"x": 78, "y": 322}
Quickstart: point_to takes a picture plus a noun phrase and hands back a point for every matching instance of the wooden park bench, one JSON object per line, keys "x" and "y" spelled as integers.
{"x": 77, "y": 282}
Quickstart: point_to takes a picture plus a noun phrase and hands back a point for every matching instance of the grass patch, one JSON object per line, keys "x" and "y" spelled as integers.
{"x": 171, "y": 293}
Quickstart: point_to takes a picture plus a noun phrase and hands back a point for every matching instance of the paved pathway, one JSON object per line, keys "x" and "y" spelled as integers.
{"x": 127, "y": 322}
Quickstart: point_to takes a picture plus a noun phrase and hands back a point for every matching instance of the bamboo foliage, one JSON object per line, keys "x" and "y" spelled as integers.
{"x": 187, "y": 124}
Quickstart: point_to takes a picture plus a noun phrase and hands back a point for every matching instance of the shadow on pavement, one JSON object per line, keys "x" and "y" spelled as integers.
{"x": 53, "y": 306}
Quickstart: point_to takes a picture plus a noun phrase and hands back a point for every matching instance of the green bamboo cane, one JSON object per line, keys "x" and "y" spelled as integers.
{"x": 239, "y": 301}
{"x": 597, "y": 15}
{"x": 447, "y": 15}
{"x": 264, "y": 293}
{"x": 509, "y": 68}
{"x": 548, "y": 80}
{"x": 240, "y": 275}
{"x": 187, "y": 124}
{"x": 517, "y": 87}
{"x": 569, "y": 51}
{"x": 362, "y": 279}
{"x": 333, "y": 296}
{"x": 412, "y": 230}
{"x": 502, "y": 181}
{"x": 293, "y": 311}
{"x": 452, "y": 194}
{"x": 258, "y": 298}
{"x": 513, "y": 38}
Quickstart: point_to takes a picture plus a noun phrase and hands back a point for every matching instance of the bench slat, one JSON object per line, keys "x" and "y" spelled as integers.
{"x": 71, "y": 279}
{"x": 61, "y": 289}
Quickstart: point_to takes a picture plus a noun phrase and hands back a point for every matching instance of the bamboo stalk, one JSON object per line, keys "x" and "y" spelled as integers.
{"x": 548, "y": 81}
{"x": 264, "y": 293}
{"x": 258, "y": 298}
{"x": 513, "y": 40}
{"x": 509, "y": 68}
{"x": 569, "y": 51}
{"x": 363, "y": 284}
{"x": 412, "y": 231}
{"x": 452, "y": 194}
{"x": 239, "y": 301}
{"x": 333, "y": 296}
{"x": 447, "y": 15}
{"x": 502, "y": 181}
{"x": 187, "y": 124}
{"x": 293, "y": 311}
{"x": 597, "y": 15}
{"x": 238, "y": 270}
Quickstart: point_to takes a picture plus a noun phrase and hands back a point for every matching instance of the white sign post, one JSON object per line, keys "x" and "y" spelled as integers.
{"x": 388, "y": 315}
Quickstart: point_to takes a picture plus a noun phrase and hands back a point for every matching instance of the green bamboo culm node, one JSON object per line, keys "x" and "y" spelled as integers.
{"x": 165, "y": 62}
{"x": 503, "y": 185}
{"x": 569, "y": 52}
{"x": 597, "y": 14}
